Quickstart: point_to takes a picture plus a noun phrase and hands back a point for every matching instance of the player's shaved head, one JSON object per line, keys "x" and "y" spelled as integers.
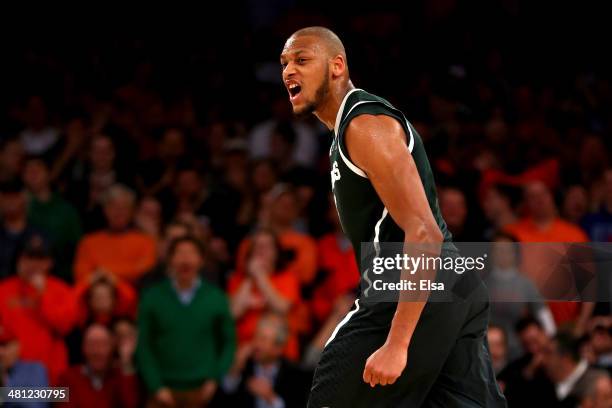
{"x": 314, "y": 69}
{"x": 326, "y": 37}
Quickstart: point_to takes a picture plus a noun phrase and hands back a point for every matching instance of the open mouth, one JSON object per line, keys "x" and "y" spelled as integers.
{"x": 294, "y": 90}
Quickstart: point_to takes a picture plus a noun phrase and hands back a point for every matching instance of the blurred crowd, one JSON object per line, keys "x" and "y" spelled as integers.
{"x": 167, "y": 237}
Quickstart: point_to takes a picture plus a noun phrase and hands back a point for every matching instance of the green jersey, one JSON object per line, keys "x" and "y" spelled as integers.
{"x": 363, "y": 215}
{"x": 448, "y": 362}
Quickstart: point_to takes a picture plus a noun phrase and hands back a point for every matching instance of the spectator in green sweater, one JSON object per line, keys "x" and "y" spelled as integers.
{"x": 186, "y": 340}
{"x": 53, "y": 215}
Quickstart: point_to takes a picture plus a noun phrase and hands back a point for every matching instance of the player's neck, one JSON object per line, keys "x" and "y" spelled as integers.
{"x": 328, "y": 110}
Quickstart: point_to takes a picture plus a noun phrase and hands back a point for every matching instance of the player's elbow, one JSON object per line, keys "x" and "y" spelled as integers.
{"x": 434, "y": 235}
{"x": 427, "y": 233}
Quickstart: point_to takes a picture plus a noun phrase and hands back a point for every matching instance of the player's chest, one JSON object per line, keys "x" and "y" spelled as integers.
{"x": 349, "y": 190}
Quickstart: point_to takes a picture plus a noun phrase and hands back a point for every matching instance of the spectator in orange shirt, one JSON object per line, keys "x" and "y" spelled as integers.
{"x": 337, "y": 261}
{"x": 265, "y": 286}
{"x": 120, "y": 249}
{"x": 543, "y": 225}
{"x": 39, "y": 308}
{"x": 101, "y": 300}
{"x": 279, "y": 213}
{"x": 104, "y": 298}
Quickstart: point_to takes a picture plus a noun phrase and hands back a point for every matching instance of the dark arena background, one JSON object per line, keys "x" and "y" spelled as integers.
{"x": 137, "y": 152}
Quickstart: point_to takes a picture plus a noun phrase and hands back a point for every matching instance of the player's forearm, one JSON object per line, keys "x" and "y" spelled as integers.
{"x": 404, "y": 323}
{"x": 421, "y": 241}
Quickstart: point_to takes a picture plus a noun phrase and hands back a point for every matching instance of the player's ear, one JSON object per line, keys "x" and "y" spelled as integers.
{"x": 338, "y": 65}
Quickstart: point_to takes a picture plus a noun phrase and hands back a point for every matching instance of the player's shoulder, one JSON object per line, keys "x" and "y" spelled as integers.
{"x": 376, "y": 143}
{"x": 373, "y": 124}
{"x": 374, "y": 140}
{"x": 371, "y": 121}
{"x": 365, "y": 109}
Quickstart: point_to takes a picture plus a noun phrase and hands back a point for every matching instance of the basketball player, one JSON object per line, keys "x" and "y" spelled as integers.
{"x": 402, "y": 354}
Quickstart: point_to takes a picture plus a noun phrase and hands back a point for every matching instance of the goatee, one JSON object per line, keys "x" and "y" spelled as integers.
{"x": 320, "y": 96}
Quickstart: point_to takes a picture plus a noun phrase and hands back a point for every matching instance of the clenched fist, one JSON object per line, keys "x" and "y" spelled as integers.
{"x": 385, "y": 365}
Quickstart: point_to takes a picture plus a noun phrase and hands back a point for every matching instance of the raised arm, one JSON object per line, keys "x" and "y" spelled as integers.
{"x": 377, "y": 145}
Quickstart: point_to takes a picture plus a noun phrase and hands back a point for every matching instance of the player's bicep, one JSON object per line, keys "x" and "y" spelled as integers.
{"x": 378, "y": 145}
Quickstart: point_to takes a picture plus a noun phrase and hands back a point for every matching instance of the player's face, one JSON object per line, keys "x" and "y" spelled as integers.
{"x": 305, "y": 72}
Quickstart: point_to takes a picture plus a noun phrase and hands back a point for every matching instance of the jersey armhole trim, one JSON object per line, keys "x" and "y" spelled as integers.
{"x": 411, "y": 142}
{"x": 342, "y": 323}
{"x": 345, "y": 159}
{"x": 341, "y": 109}
{"x": 348, "y": 162}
